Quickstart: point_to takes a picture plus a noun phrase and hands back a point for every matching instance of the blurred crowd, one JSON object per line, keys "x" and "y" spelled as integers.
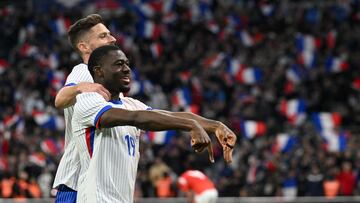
{"x": 283, "y": 75}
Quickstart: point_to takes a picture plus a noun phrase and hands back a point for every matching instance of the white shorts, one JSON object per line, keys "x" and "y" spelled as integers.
{"x": 208, "y": 196}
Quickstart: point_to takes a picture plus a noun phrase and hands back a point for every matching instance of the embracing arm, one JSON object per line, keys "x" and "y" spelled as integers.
{"x": 67, "y": 95}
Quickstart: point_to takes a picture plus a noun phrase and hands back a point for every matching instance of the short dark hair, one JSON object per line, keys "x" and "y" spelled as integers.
{"x": 97, "y": 56}
{"x": 80, "y": 27}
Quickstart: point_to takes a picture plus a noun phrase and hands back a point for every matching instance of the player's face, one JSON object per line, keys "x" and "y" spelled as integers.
{"x": 117, "y": 74}
{"x": 99, "y": 36}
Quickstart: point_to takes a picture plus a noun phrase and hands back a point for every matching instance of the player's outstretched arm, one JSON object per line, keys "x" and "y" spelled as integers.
{"x": 224, "y": 135}
{"x": 67, "y": 95}
{"x": 158, "y": 121}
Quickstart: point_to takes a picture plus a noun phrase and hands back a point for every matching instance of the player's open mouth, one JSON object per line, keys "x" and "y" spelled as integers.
{"x": 126, "y": 79}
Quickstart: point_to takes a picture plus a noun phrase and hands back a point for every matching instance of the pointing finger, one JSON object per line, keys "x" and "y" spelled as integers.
{"x": 211, "y": 153}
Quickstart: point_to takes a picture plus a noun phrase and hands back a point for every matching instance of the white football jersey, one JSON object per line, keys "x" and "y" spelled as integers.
{"x": 69, "y": 166}
{"x": 109, "y": 156}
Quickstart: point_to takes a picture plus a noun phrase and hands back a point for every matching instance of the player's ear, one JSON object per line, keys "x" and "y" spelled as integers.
{"x": 83, "y": 47}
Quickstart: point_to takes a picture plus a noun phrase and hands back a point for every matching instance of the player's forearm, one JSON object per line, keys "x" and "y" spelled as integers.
{"x": 208, "y": 124}
{"x": 146, "y": 120}
{"x": 66, "y": 97}
{"x": 189, "y": 197}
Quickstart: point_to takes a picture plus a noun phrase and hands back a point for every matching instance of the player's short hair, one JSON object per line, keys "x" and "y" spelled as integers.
{"x": 80, "y": 27}
{"x": 97, "y": 56}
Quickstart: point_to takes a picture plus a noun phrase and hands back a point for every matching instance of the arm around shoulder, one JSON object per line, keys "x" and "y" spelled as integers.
{"x": 66, "y": 96}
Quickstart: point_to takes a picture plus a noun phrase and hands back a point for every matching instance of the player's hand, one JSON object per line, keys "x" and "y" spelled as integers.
{"x": 201, "y": 140}
{"x": 227, "y": 139}
{"x": 94, "y": 87}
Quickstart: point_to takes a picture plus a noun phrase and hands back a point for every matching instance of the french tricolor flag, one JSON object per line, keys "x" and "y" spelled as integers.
{"x": 196, "y": 85}
{"x": 325, "y": 121}
{"x": 333, "y": 141}
{"x": 148, "y": 29}
{"x": 246, "y": 39}
{"x": 182, "y": 97}
{"x": 57, "y": 79}
{"x": 335, "y": 65}
{"x": 294, "y": 74}
{"x": 156, "y": 50}
{"x": 266, "y": 8}
{"x": 306, "y": 46}
{"x": 11, "y": 120}
{"x": 169, "y": 18}
{"x": 160, "y": 137}
{"x": 185, "y": 75}
{"x": 3, "y": 65}
{"x": 232, "y": 23}
{"x": 249, "y": 76}
{"x": 356, "y": 83}
{"x": 306, "y": 42}
{"x": 193, "y": 108}
{"x": 52, "y": 61}
{"x": 47, "y": 121}
{"x": 61, "y": 25}
{"x": 169, "y": 15}
{"x": 251, "y": 129}
{"x": 50, "y": 146}
{"x": 307, "y": 58}
{"x": 38, "y": 159}
{"x": 331, "y": 39}
{"x": 125, "y": 40}
{"x": 168, "y": 6}
{"x": 200, "y": 10}
{"x": 28, "y": 50}
{"x": 212, "y": 26}
{"x": 294, "y": 110}
{"x": 147, "y": 9}
{"x": 235, "y": 68}
{"x": 213, "y": 61}
{"x": 284, "y": 143}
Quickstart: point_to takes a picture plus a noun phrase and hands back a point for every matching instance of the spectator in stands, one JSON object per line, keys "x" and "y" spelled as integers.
{"x": 331, "y": 185}
{"x": 346, "y": 179}
{"x": 164, "y": 186}
{"x": 314, "y": 182}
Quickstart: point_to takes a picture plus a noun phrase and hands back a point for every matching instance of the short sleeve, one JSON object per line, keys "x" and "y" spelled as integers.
{"x": 136, "y": 104}
{"x": 80, "y": 73}
{"x": 183, "y": 184}
{"x": 89, "y": 108}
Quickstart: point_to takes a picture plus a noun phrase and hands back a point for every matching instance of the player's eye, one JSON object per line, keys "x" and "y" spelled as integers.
{"x": 120, "y": 63}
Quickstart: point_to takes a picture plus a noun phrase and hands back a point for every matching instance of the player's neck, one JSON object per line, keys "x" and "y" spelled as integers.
{"x": 85, "y": 58}
{"x": 115, "y": 95}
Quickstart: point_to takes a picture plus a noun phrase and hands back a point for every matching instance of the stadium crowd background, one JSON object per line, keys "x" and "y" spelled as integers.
{"x": 288, "y": 67}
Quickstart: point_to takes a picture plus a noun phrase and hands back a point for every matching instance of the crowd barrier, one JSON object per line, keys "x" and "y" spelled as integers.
{"x": 350, "y": 199}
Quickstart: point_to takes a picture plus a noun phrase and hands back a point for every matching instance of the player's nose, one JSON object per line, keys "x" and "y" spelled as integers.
{"x": 126, "y": 69}
{"x": 111, "y": 39}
